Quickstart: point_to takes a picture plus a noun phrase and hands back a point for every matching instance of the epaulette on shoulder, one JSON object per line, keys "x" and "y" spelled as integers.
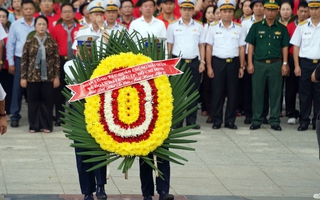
{"x": 199, "y": 22}
{"x": 84, "y": 27}
{"x": 174, "y": 21}
{"x": 236, "y": 23}
{"x": 246, "y": 18}
{"x": 214, "y": 23}
{"x": 303, "y": 22}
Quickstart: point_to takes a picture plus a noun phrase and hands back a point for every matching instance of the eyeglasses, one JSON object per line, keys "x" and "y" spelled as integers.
{"x": 67, "y": 11}
{"x": 127, "y": 7}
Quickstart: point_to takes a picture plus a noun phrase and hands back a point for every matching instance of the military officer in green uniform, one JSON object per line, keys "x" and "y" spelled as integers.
{"x": 268, "y": 42}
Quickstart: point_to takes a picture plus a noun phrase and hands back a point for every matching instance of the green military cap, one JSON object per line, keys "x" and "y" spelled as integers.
{"x": 271, "y": 4}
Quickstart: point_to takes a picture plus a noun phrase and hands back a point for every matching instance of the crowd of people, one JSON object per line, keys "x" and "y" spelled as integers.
{"x": 244, "y": 95}
{"x": 256, "y": 55}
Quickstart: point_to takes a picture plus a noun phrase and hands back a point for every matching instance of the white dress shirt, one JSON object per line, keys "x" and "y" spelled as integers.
{"x": 307, "y": 37}
{"x": 155, "y": 27}
{"x": 185, "y": 38}
{"x": 225, "y": 41}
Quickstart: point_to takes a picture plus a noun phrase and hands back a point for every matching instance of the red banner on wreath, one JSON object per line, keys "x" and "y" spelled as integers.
{"x": 124, "y": 77}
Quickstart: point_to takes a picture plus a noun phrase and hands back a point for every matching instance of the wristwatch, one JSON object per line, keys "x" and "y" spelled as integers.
{"x": 102, "y": 28}
{"x": 204, "y": 62}
{"x": 3, "y": 115}
{"x": 1, "y": 62}
{"x": 243, "y": 67}
{"x": 285, "y": 63}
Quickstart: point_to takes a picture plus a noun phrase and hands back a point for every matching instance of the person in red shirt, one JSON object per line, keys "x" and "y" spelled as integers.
{"x": 292, "y": 82}
{"x": 64, "y": 34}
{"x": 46, "y": 9}
{"x": 126, "y": 10}
{"x": 167, "y": 15}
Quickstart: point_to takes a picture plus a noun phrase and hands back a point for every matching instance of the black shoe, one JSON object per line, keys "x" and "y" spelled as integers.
{"x": 314, "y": 126}
{"x": 276, "y": 127}
{"x": 216, "y": 126}
{"x": 101, "y": 194}
{"x": 265, "y": 121}
{"x": 247, "y": 121}
{"x": 58, "y": 123}
{"x": 14, "y": 124}
{"x": 167, "y": 197}
{"x": 147, "y": 198}
{"x": 230, "y": 126}
{"x": 197, "y": 127}
{"x": 254, "y": 126}
{"x": 303, "y": 127}
{"x": 88, "y": 197}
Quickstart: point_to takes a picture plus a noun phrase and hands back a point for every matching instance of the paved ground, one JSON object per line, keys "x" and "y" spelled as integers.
{"x": 227, "y": 164}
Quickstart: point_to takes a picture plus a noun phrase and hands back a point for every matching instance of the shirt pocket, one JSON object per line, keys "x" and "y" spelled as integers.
{"x": 218, "y": 39}
{"x": 306, "y": 39}
{"x": 177, "y": 32}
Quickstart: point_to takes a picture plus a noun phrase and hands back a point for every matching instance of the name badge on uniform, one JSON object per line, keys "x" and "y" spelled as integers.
{"x": 178, "y": 30}
{"x": 308, "y": 33}
{"x": 261, "y": 32}
{"x": 218, "y": 33}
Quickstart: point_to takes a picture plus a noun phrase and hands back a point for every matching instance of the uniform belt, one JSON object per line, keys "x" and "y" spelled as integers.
{"x": 64, "y": 57}
{"x": 314, "y": 61}
{"x": 227, "y": 60}
{"x": 270, "y": 61}
{"x": 186, "y": 60}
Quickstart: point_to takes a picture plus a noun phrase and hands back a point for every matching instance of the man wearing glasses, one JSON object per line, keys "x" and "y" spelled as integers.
{"x": 126, "y": 10}
{"x": 46, "y": 9}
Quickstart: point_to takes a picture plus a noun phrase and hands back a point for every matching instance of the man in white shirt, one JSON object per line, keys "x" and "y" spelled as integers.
{"x": 147, "y": 23}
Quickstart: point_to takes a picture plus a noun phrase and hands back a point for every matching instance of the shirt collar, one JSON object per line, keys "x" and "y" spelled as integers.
{"x": 152, "y": 20}
{"x": 115, "y": 25}
{"x": 92, "y": 30}
{"x": 23, "y": 21}
{"x": 311, "y": 24}
{"x": 51, "y": 14}
{"x": 66, "y": 26}
{"x": 122, "y": 20}
{"x": 275, "y": 23}
{"x": 221, "y": 24}
{"x": 190, "y": 23}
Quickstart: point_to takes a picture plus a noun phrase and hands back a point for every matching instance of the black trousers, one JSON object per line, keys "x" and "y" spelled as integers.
{"x": 40, "y": 105}
{"x": 6, "y": 81}
{"x": 59, "y": 99}
{"x": 195, "y": 79}
{"x": 225, "y": 81}
{"x": 308, "y": 92}
{"x": 89, "y": 180}
{"x": 146, "y": 178}
{"x": 206, "y": 91}
{"x": 292, "y": 88}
